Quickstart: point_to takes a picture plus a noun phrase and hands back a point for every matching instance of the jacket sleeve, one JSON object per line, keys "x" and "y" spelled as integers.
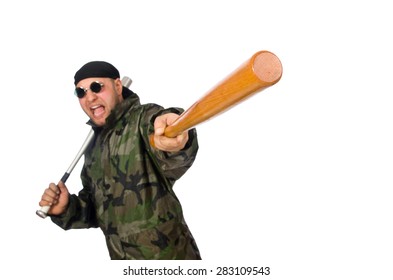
{"x": 173, "y": 165}
{"x": 80, "y": 212}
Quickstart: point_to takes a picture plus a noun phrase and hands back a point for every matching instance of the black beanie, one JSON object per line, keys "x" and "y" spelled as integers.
{"x": 96, "y": 69}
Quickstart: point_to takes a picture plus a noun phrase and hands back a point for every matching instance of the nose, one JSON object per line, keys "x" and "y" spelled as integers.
{"x": 90, "y": 96}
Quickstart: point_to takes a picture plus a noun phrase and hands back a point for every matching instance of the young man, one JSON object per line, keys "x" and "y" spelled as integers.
{"x": 127, "y": 183}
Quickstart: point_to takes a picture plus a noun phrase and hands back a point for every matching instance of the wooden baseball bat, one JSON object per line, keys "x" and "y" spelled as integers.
{"x": 261, "y": 71}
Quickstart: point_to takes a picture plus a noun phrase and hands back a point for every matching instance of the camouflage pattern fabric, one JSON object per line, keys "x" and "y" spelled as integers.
{"x": 128, "y": 188}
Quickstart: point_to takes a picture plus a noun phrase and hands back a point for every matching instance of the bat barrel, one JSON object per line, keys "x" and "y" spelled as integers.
{"x": 267, "y": 67}
{"x": 261, "y": 71}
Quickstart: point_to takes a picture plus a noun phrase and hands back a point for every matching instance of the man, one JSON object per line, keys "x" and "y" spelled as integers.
{"x": 127, "y": 182}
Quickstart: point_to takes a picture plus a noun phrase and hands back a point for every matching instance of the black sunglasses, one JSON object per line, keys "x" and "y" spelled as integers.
{"x": 95, "y": 87}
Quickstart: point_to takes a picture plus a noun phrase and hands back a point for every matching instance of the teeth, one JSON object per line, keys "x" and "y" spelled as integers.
{"x": 97, "y": 110}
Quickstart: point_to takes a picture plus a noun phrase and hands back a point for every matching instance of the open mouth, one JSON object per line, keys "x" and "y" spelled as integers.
{"x": 98, "y": 110}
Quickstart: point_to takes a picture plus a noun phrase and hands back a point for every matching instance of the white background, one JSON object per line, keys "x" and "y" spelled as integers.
{"x": 297, "y": 178}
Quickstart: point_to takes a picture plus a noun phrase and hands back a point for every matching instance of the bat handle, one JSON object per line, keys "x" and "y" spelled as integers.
{"x": 43, "y": 212}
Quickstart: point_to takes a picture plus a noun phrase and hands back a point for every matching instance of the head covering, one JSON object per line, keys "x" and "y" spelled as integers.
{"x": 96, "y": 69}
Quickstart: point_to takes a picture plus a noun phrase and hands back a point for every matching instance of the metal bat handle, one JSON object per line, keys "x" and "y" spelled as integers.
{"x": 43, "y": 212}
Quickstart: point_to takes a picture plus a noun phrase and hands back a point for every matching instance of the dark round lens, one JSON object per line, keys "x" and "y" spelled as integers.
{"x": 95, "y": 87}
{"x": 80, "y": 92}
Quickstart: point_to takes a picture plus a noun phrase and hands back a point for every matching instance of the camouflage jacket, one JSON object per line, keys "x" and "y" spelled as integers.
{"x": 128, "y": 188}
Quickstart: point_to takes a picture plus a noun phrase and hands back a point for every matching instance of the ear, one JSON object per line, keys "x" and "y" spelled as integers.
{"x": 118, "y": 87}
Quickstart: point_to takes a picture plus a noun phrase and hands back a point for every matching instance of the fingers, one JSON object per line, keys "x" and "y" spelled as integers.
{"x": 159, "y": 126}
{"x": 57, "y": 197}
{"x": 51, "y": 195}
{"x": 161, "y": 122}
{"x": 62, "y": 187}
{"x": 168, "y": 144}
